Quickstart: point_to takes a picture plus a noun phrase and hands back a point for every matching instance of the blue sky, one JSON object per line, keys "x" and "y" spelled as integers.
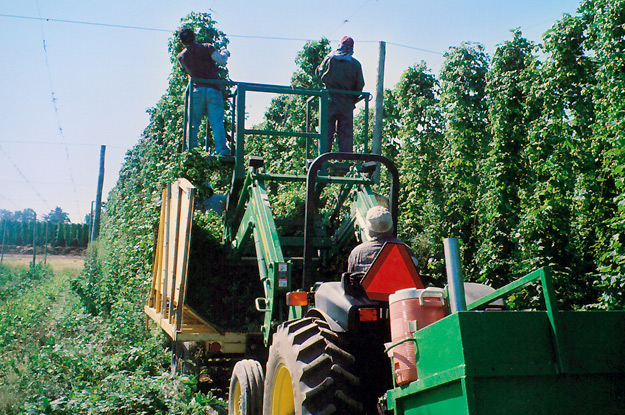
{"x": 93, "y": 82}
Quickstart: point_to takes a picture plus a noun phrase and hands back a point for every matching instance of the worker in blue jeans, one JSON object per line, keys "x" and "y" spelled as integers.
{"x": 200, "y": 61}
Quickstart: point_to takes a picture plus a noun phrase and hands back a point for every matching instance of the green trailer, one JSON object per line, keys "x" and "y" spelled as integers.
{"x": 518, "y": 362}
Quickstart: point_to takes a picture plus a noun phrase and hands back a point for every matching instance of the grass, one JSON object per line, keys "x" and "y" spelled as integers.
{"x": 57, "y": 359}
{"x": 58, "y": 263}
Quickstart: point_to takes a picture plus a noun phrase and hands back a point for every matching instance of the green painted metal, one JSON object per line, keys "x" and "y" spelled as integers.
{"x": 255, "y": 219}
{"x": 274, "y": 271}
{"x": 323, "y": 126}
{"x": 518, "y": 362}
{"x": 248, "y": 216}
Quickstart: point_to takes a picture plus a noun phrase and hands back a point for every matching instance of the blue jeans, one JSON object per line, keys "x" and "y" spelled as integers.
{"x": 208, "y": 101}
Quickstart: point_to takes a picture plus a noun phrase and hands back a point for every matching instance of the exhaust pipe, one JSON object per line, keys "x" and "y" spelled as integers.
{"x": 455, "y": 285}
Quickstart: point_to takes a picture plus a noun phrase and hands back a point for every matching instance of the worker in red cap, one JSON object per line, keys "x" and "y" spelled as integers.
{"x": 340, "y": 70}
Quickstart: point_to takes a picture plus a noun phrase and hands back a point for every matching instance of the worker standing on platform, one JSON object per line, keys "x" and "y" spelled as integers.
{"x": 340, "y": 70}
{"x": 200, "y": 60}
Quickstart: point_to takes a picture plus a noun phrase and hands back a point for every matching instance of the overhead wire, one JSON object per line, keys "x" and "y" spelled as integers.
{"x": 345, "y": 21}
{"x": 58, "y": 143}
{"x": 24, "y": 177}
{"x": 10, "y": 200}
{"x": 229, "y": 35}
{"x": 56, "y": 110}
{"x": 84, "y": 23}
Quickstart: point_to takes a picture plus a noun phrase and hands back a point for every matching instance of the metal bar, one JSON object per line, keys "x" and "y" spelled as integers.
{"x": 267, "y": 243}
{"x": 264, "y": 222}
{"x": 277, "y": 89}
{"x": 506, "y": 290}
{"x": 188, "y": 105}
{"x": 366, "y": 128}
{"x": 253, "y": 87}
{"x": 35, "y": 240}
{"x": 457, "y": 300}
{"x": 554, "y": 319}
{"x": 320, "y": 179}
{"x": 244, "y": 195}
{"x": 562, "y": 361}
{"x": 281, "y": 133}
{"x": 308, "y": 120}
{"x": 311, "y": 198}
{"x": 234, "y": 120}
{"x": 323, "y": 126}
{"x": 240, "y": 150}
{"x": 244, "y": 231}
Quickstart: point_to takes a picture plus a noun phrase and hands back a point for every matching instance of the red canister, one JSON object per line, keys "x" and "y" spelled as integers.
{"x": 412, "y": 309}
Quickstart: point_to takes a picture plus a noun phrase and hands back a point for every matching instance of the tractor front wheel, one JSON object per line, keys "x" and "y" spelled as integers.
{"x": 245, "y": 396}
{"x": 309, "y": 373}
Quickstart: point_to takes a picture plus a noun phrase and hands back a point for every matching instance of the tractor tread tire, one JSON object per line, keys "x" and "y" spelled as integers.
{"x": 322, "y": 372}
{"x": 247, "y": 375}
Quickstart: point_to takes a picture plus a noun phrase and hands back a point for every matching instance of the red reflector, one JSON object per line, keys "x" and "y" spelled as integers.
{"x": 297, "y": 298}
{"x": 214, "y": 347}
{"x": 391, "y": 271}
{"x": 368, "y": 314}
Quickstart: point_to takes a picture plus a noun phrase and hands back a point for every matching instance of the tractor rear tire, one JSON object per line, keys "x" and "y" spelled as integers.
{"x": 245, "y": 396}
{"x": 309, "y": 373}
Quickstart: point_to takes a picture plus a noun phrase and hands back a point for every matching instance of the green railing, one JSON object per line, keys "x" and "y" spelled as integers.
{"x": 239, "y": 131}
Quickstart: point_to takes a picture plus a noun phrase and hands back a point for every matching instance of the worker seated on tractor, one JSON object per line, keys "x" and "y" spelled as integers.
{"x": 379, "y": 230}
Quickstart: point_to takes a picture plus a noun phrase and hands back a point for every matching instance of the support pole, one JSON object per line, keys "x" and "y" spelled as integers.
{"x": 35, "y": 240}
{"x": 376, "y": 145}
{"x": 98, "y": 201}
{"x": 4, "y": 232}
{"x": 455, "y": 284}
{"x": 45, "y": 245}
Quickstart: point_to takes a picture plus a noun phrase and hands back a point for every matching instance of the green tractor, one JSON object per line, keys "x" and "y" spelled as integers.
{"x": 329, "y": 334}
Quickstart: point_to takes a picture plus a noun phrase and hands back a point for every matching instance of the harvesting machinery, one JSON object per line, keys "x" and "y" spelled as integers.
{"x": 381, "y": 342}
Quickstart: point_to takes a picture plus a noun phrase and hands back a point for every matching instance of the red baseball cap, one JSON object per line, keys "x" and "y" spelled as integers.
{"x": 347, "y": 41}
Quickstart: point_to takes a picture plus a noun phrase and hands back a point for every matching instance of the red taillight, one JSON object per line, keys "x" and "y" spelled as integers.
{"x": 214, "y": 347}
{"x": 297, "y": 298}
{"x": 368, "y": 314}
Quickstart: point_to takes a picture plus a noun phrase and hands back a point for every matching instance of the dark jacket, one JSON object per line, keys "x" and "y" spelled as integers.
{"x": 336, "y": 73}
{"x": 197, "y": 60}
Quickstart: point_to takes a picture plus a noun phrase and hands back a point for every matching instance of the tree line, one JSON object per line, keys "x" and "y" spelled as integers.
{"x": 55, "y": 229}
{"x": 53, "y": 234}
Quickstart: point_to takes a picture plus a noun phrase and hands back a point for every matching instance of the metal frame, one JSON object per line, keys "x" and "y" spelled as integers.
{"x": 312, "y": 196}
{"x": 248, "y": 212}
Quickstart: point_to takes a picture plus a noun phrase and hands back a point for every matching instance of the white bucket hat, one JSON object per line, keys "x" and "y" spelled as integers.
{"x": 379, "y": 220}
